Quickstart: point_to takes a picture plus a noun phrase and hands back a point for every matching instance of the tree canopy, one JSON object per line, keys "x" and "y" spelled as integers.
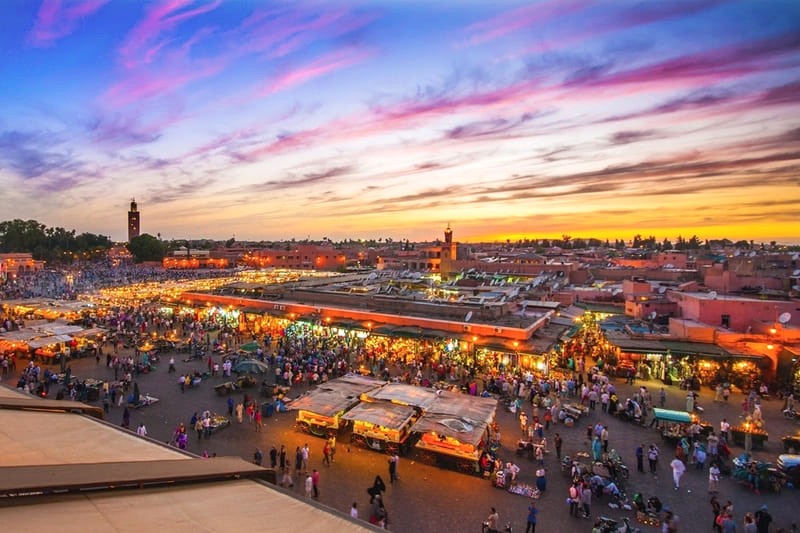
{"x": 145, "y": 247}
{"x": 50, "y": 244}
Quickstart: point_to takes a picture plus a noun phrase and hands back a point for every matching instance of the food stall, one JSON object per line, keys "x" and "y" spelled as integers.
{"x": 420, "y": 398}
{"x": 791, "y": 443}
{"x": 454, "y": 431}
{"x": 675, "y": 425}
{"x": 740, "y": 433}
{"x": 382, "y": 426}
{"x": 319, "y": 410}
{"x": 218, "y": 422}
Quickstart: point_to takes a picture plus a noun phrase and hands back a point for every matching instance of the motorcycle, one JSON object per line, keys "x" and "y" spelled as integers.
{"x": 485, "y": 528}
{"x": 757, "y": 475}
{"x": 609, "y": 525}
{"x": 614, "y": 463}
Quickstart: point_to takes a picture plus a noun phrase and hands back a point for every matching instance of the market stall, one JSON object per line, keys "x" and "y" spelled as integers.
{"x": 747, "y": 431}
{"x": 218, "y": 422}
{"x": 419, "y": 397}
{"x": 454, "y": 430}
{"x": 676, "y": 425}
{"x": 791, "y": 443}
{"x": 319, "y": 410}
{"x": 382, "y": 426}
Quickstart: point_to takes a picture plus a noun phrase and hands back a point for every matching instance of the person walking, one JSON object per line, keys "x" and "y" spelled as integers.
{"x": 640, "y": 458}
{"x": 315, "y": 482}
{"x": 604, "y": 438}
{"x": 586, "y": 501}
{"x": 532, "y": 512}
{"x": 332, "y": 445}
{"x": 597, "y": 448}
{"x": 298, "y": 460}
{"x": 326, "y": 453}
{"x": 306, "y": 453}
{"x": 652, "y": 458}
{"x": 282, "y": 457}
{"x": 354, "y": 510}
{"x": 558, "y": 442}
{"x": 392, "y": 469}
{"x": 309, "y": 485}
{"x": 678, "y": 468}
{"x": 273, "y": 457}
{"x": 713, "y": 478}
{"x": 258, "y": 420}
{"x": 716, "y": 509}
{"x": 377, "y": 488}
{"x": 141, "y": 430}
{"x": 763, "y": 519}
{"x": 286, "y": 479}
{"x": 574, "y": 499}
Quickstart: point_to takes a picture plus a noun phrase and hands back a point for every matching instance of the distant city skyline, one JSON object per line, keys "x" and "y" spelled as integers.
{"x": 356, "y": 119}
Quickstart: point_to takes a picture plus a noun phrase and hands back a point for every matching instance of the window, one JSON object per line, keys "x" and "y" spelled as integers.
{"x": 726, "y": 321}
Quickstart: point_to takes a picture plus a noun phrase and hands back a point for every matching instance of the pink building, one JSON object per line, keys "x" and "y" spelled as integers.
{"x": 736, "y": 313}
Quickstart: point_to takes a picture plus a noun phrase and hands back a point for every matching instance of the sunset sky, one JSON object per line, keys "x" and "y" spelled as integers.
{"x": 374, "y": 119}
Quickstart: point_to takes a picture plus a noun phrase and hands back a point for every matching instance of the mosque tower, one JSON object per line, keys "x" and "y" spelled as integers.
{"x": 133, "y": 221}
{"x": 449, "y": 248}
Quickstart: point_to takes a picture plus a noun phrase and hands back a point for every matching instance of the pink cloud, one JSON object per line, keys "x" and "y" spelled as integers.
{"x": 321, "y": 66}
{"x": 144, "y": 85}
{"x": 56, "y": 20}
{"x": 609, "y": 21}
{"x": 284, "y": 143}
{"x": 520, "y": 18}
{"x": 279, "y": 33}
{"x": 159, "y": 19}
{"x": 704, "y": 67}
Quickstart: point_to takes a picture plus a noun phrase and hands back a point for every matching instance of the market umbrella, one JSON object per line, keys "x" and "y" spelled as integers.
{"x": 249, "y": 347}
{"x": 251, "y": 366}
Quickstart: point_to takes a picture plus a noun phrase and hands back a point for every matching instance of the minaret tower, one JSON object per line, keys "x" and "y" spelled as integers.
{"x": 133, "y": 221}
{"x": 449, "y": 248}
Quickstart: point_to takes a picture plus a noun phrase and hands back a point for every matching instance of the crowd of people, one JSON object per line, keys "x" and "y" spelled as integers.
{"x": 83, "y": 277}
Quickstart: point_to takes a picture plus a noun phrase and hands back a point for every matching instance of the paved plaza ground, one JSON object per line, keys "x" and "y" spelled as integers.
{"x": 426, "y": 498}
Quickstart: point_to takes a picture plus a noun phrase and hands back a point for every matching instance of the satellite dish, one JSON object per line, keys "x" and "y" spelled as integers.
{"x": 796, "y": 272}
{"x": 712, "y": 295}
{"x": 785, "y": 318}
{"x": 662, "y": 290}
{"x": 468, "y": 317}
{"x": 652, "y": 315}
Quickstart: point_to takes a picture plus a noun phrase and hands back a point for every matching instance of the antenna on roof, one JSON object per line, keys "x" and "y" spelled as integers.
{"x": 712, "y": 295}
{"x": 785, "y": 318}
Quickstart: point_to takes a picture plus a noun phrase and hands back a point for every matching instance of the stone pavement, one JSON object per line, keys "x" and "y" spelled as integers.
{"x": 426, "y": 498}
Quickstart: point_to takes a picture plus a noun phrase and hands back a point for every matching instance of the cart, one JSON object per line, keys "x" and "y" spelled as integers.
{"x": 574, "y": 411}
{"x": 226, "y": 388}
